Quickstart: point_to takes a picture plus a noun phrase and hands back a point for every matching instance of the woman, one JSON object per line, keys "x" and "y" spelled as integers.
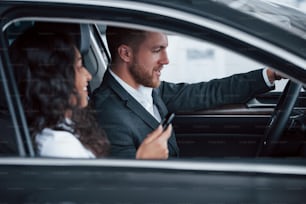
{"x": 53, "y": 87}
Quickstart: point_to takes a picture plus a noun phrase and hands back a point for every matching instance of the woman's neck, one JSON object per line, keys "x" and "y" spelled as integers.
{"x": 68, "y": 114}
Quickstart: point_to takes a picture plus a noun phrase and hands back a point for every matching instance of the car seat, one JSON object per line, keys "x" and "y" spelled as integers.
{"x": 80, "y": 33}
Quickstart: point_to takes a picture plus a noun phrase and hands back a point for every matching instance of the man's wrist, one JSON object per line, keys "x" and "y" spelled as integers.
{"x": 271, "y": 75}
{"x": 268, "y": 77}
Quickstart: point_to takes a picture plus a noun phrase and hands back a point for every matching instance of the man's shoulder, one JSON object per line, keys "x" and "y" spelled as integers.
{"x": 101, "y": 94}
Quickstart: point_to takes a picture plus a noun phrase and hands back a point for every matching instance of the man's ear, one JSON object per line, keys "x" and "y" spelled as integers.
{"x": 125, "y": 52}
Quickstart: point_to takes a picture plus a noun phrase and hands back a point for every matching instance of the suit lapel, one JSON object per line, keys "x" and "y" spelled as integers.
{"x": 138, "y": 109}
{"x": 130, "y": 102}
{"x": 163, "y": 112}
{"x": 159, "y": 104}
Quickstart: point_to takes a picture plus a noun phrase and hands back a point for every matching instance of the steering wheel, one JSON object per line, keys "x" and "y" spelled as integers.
{"x": 279, "y": 118}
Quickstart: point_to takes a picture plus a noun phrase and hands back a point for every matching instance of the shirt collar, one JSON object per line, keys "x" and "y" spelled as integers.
{"x": 143, "y": 94}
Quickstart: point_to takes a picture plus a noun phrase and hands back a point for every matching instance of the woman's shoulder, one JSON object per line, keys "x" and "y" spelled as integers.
{"x": 60, "y": 143}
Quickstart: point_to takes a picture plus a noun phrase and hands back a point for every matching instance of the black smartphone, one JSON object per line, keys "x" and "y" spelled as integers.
{"x": 167, "y": 120}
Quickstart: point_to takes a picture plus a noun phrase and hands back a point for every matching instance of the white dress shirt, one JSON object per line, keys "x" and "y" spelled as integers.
{"x": 60, "y": 143}
{"x": 142, "y": 95}
{"x": 265, "y": 76}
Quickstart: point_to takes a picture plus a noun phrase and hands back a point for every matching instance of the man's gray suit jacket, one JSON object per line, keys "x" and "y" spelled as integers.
{"x": 127, "y": 123}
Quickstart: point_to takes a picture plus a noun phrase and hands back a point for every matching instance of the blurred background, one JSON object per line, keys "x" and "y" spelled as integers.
{"x": 299, "y": 4}
{"x": 192, "y": 60}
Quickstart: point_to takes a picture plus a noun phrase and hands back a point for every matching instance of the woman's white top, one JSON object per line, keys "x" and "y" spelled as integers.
{"x": 60, "y": 143}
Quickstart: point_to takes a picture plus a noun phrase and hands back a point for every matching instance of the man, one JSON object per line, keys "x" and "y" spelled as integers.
{"x": 132, "y": 100}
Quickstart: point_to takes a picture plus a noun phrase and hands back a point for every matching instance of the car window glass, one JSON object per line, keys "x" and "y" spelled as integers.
{"x": 12, "y": 142}
{"x": 16, "y": 29}
{"x": 193, "y": 60}
{"x": 8, "y": 145}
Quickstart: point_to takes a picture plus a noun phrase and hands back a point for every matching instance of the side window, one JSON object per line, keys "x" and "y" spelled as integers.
{"x": 16, "y": 29}
{"x": 13, "y": 139}
{"x": 8, "y": 145}
{"x": 192, "y": 60}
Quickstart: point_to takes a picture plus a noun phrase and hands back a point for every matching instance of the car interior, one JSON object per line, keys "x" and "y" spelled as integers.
{"x": 231, "y": 131}
{"x": 222, "y": 158}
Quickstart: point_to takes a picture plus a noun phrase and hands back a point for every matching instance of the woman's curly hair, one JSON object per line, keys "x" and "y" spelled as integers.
{"x": 44, "y": 70}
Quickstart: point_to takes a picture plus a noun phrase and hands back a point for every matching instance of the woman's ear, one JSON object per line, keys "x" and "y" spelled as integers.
{"x": 125, "y": 52}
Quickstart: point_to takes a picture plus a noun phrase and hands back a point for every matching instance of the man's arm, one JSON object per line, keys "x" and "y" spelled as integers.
{"x": 235, "y": 89}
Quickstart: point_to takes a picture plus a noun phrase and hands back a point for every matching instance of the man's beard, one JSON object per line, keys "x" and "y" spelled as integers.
{"x": 142, "y": 77}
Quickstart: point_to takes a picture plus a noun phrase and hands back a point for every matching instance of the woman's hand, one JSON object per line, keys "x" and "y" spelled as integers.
{"x": 155, "y": 145}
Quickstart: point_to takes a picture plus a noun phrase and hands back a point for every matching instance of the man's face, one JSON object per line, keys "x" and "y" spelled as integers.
{"x": 149, "y": 59}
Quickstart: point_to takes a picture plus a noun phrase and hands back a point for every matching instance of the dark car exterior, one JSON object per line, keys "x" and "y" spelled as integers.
{"x": 218, "y": 164}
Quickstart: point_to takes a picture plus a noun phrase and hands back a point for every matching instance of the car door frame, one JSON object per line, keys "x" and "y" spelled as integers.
{"x": 174, "y": 22}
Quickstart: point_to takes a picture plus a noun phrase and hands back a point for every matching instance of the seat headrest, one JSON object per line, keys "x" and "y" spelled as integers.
{"x": 78, "y": 32}
{"x": 85, "y": 38}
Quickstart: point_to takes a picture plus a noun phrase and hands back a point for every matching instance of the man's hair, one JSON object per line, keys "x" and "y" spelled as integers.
{"x": 117, "y": 36}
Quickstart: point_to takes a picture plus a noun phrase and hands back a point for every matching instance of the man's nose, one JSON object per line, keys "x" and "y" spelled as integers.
{"x": 165, "y": 59}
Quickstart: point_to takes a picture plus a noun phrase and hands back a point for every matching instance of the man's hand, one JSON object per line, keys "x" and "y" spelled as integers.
{"x": 272, "y": 75}
{"x": 155, "y": 145}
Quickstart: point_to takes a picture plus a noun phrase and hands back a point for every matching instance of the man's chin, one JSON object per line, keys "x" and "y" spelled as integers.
{"x": 156, "y": 84}
{"x": 151, "y": 84}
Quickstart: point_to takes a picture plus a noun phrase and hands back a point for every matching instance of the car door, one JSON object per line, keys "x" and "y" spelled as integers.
{"x": 105, "y": 180}
{"x": 41, "y": 180}
{"x": 230, "y": 131}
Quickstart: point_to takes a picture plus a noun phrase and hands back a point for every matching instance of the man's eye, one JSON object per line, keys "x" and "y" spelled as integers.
{"x": 156, "y": 50}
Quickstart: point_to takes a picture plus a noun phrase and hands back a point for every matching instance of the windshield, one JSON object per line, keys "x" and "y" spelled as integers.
{"x": 288, "y": 18}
